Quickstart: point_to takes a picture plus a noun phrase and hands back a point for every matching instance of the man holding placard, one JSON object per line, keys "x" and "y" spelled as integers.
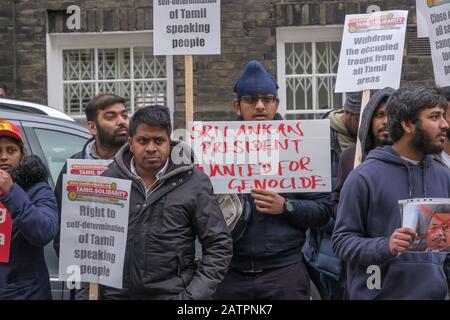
{"x": 267, "y": 261}
{"x": 172, "y": 203}
{"x": 107, "y": 120}
{"x": 368, "y": 235}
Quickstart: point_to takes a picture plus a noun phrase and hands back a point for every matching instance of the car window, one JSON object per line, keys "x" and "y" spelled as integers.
{"x": 58, "y": 147}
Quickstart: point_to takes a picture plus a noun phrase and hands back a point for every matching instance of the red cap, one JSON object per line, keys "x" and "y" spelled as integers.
{"x": 7, "y": 129}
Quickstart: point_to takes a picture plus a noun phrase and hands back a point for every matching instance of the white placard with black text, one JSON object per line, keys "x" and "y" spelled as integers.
{"x": 180, "y": 28}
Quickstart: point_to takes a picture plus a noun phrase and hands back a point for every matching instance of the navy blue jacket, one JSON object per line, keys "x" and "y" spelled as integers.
{"x": 272, "y": 241}
{"x": 32, "y": 206}
{"x": 369, "y": 213}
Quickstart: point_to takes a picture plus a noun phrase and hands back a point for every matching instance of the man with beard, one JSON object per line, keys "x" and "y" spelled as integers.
{"x": 373, "y": 133}
{"x": 107, "y": 120}
{"x": 368, "y": 235}
{"x": 445, "y": 154}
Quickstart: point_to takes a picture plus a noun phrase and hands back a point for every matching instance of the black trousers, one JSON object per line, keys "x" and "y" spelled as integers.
{"x": 285, "y": 283}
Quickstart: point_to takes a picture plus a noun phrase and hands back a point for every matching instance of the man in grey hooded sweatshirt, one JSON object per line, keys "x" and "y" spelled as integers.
{"x": 373, "y": 133}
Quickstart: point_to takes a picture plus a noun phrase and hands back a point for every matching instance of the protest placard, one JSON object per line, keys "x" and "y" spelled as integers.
{"x": 282, "y": 156}
{"x": 371, "y": 51}
{"x": 5, "y": 234}
{"x": 94, "y": 225}
{"x": 430, "y": 218}
{"x": 186, "y": 27}
{"x": 87, "y": 167}
{"x": 438, "y": 20}
{"x": 421, "y": 19}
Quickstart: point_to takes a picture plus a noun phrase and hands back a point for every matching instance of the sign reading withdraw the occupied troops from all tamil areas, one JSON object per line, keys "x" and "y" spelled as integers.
{"x": 281, "y": 156}
{"x": 94, "y": 225}
{"x": 437, "y": 15}
{"x": 186, "y": 27}
{"x": 372, "y": 51}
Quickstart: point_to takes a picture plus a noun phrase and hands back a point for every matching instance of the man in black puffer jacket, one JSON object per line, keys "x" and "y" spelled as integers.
{"x": 171, "y": 204}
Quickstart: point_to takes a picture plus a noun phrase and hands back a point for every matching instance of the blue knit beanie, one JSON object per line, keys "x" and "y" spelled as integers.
{"x": 255, "y": 80}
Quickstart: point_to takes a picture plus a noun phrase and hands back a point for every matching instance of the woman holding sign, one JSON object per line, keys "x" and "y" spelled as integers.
{"x": 28, "y": 219}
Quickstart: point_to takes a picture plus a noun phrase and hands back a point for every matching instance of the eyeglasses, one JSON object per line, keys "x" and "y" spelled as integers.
{"x": 253, "y": 100}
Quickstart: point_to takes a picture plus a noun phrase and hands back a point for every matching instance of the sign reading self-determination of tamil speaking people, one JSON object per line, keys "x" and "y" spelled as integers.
{"x": 438, "y": 20}
{"x": 186, "y": 27}
{"x": 94, "y": 225}
{"x": 282, "y": 156}
{"x": 372, "y": 51}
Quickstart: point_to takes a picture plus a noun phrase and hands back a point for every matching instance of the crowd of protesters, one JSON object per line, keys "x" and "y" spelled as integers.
{"x": 280, "y": 241}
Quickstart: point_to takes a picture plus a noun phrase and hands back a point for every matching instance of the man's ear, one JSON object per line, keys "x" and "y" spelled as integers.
{"x": 236, "y": 106}
{"x": 92, "y": 127}
{"x": 408, "y": 126}
{"x": 130, "y": 143}
{"x": 277, "y": 105}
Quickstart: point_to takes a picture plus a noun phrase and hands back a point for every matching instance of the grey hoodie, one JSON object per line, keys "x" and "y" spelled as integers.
{"x": 365, "y": 134}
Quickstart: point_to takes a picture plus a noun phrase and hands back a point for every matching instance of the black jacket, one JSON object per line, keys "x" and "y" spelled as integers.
{"x": 160, "y": 252}
{"x": 271, "y": 241}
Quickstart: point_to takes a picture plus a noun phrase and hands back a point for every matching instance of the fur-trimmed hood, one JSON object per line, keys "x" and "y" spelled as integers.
{"x": 30, "y": 171}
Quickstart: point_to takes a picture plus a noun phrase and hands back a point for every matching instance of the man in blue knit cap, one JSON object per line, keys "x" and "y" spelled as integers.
{"x": 268, "y": 239}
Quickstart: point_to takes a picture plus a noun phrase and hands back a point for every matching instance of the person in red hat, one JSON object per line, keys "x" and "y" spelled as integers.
{"x": 28, "y": 219}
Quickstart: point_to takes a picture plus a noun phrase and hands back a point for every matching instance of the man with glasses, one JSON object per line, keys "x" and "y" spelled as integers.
{"x": 267, "y": 260}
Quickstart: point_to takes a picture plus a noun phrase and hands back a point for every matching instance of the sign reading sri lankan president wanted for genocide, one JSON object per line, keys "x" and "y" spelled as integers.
{"x": 94, "y": 225}
{"x": 372, "y": 51}
{"x": 438, "y": 20}
{"x": 186, "y": 27}
{"x": 282, "y": 156}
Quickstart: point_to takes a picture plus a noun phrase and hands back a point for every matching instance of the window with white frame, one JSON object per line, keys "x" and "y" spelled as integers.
{"x": 307, "y": 64}
{"x": 122, "y": 64}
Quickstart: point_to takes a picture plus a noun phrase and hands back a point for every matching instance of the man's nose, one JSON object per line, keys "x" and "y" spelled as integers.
{"x": 3, "y": 156}
{"x": 444, "y": 123}
{"x": 151, "y": 147}
{"x": 121, "y": 120}
{"x": 260, "y": 105}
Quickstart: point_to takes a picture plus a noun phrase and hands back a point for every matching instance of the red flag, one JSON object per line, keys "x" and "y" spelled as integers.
{"x": 5, "y": 233}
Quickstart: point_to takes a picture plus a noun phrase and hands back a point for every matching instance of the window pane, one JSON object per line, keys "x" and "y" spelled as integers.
{"x": 122, "y": 89}
{"x": 58, "y": 147}
{"x": 79, "y": 64}
{"x": 133, "y": 73}
{"x": 326, "y": 98}
{"x": 327, "y": 56}
{"x": 147, "y": 66}
{"x": 299, "y": 94}
{"x": 77, "y": 96}
{"x": 298, "y": 58}
{"x": 149, "y": 92}
{"x": 114, "y": 64}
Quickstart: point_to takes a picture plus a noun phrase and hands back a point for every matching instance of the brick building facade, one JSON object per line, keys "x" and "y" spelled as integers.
{"x": 250, "y": 29}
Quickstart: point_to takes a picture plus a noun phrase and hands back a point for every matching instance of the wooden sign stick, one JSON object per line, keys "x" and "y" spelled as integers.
{"x": 189, "y": 88}
{"x": 93, "y": 291}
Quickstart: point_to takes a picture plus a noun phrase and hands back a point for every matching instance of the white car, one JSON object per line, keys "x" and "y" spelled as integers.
{"x": 30, "y": 107}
